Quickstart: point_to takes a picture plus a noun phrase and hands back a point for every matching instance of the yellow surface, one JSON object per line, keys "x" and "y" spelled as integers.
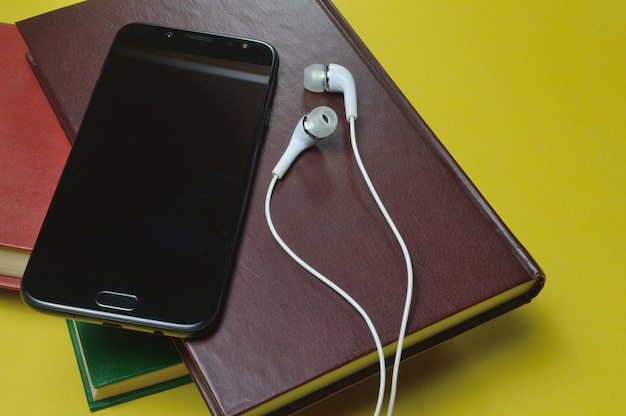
{"x": 530, "y": 98}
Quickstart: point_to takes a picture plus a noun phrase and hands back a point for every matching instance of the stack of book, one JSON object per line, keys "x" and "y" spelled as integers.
{"x": 284, "y": 339}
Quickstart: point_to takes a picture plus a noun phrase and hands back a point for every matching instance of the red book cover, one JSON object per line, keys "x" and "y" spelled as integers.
{"x": 284, "y": 339}
{"x": 33, "y": 148}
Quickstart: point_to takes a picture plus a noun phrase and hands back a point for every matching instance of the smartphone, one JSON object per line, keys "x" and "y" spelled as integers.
{"x": 142, "y": 230}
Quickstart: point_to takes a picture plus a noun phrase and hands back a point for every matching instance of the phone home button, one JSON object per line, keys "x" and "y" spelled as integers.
{"x": 114, "y": 300}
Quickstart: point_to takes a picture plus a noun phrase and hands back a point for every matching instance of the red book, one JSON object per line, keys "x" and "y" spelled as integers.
{"x": 285, "y": 339}
{"x": 34, "y": 149}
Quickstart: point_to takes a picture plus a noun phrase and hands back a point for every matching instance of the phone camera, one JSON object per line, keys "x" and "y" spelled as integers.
{"x": 169, "y": 35}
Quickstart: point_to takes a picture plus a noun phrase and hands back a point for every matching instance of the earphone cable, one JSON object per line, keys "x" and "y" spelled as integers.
{"x": 333, "y": 286}
{"x": 409, "y": 267}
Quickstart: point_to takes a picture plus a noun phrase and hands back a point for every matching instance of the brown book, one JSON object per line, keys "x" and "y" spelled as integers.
{"x": 285, "y": 339}
{"x": 33, "y": 149}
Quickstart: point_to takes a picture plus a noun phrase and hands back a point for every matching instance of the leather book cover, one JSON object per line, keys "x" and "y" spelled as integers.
{"x": 284, "y": 338}
{"x": 33, "y": 149}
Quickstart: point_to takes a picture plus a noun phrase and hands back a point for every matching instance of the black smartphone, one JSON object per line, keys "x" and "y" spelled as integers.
{"x": 143, "y": 227}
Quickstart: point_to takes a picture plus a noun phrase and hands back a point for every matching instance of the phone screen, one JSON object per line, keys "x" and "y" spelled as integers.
{"x": 151, "y": 200}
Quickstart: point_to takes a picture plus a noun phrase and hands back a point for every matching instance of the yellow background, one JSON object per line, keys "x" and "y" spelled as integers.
{"x": 530, "y": 98}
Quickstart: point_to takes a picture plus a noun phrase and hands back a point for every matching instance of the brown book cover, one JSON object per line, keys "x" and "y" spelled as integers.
{"x": 285, "y": 339}
{"x": 33, "y": 149}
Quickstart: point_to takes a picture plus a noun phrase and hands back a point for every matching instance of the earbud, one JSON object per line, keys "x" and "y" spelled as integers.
{"x": 332, "y": 78}
{"x": 311, "y": 129}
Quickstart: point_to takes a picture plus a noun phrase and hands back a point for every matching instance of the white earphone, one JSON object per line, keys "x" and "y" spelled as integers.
{"x": 332, "y": 78}
{"x": 312, "y": 128}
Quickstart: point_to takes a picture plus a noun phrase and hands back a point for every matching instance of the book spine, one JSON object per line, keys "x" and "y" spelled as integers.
{"x": 197, "y": 377}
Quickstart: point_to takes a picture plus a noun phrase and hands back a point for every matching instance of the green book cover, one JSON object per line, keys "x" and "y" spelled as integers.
{"x": 118, "y": 365}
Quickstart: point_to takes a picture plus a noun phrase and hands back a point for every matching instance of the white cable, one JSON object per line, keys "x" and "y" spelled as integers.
{"x": 409, "y": 269}
{"x": 333, "y": 286}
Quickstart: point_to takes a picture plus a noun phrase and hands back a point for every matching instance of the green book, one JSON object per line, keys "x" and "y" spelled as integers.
{"x": 118, "y": 365}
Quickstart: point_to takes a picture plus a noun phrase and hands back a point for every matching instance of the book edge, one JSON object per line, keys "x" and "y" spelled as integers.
{"x": 13, "y": 261}
{"x": 146, "y": 391}
{"x": 365, "y": 366}
{"x": 52, "y": 97}
{"x": 80, "y": 360}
